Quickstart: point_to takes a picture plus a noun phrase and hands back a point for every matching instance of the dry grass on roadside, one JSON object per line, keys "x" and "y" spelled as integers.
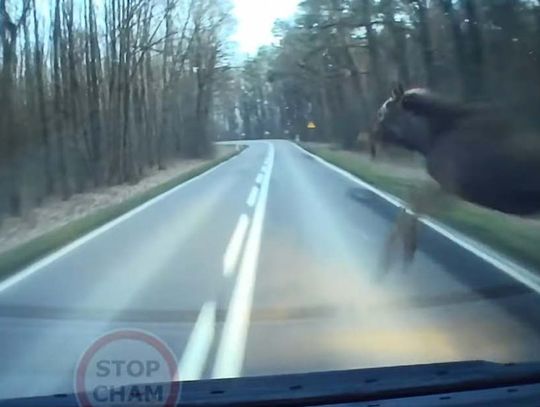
{"x": 112, "y": 204}
{"x": 55, "y": 212}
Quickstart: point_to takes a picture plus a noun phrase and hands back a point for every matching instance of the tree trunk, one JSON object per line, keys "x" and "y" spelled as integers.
{"x": 375, "y": 67}
{"x": 425, "y": 41}
{"x": 94, "y": 105}
{"x": 397, "y": 31}
{"x": 475, "y": 50}
{"x": 58, "y": 104}
{"x": 73, "y": 112}
{"x": 44, "y": 124}
{"x": 8, "y": 128}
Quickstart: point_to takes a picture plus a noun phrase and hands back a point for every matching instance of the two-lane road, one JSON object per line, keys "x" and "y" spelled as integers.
{"x": 265, "y": 264}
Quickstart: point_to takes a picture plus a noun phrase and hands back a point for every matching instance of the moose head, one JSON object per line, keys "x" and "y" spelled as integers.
{"x": 398, "y": 123}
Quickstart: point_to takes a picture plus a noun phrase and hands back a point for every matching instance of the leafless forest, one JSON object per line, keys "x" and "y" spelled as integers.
{"x": 95, "y": 92}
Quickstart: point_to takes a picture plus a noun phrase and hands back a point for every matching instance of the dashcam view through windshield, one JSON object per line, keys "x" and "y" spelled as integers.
{"x": 203, "y": 189}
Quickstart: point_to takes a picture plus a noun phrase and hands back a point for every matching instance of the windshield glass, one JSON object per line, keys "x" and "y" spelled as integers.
{"x": 199, "y": 189}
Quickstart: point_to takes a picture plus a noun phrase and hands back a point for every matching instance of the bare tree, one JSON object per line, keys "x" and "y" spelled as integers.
{"x": 10, "y": 129}
{"x": 44, "y": 123}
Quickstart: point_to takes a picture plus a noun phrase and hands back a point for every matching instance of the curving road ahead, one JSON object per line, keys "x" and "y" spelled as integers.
{"x": 263, "y": 265}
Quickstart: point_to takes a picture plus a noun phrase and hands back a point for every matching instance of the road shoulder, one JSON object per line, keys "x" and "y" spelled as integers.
{"x": 453, "y": 226}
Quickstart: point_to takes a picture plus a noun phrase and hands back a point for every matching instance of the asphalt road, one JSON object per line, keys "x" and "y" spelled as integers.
{"x": 264, "y": 265}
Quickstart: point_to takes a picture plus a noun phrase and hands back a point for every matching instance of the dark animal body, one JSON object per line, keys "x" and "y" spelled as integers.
{"x": 479, "y": 153}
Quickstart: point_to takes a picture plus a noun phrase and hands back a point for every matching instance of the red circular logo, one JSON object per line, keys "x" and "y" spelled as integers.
{"x": 127, "y": 368}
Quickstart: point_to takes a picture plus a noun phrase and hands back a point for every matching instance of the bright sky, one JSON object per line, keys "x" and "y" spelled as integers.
{"x": 255, "y": 21}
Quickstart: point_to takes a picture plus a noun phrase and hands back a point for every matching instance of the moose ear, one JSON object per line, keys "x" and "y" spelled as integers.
{"x": 398, "y": 92}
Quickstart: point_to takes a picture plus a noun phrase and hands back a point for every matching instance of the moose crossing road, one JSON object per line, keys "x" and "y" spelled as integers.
{"x": 266, "y": 264}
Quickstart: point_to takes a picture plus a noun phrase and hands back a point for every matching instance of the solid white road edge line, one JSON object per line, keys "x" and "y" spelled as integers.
{"x": 252, "y": 198}
{"x": 38, "y": 265}
{"x": 193, "y": 361}
{"x": 506, "y": 265}
{"x": 232, "y": 253}
{"x": 231, "y": 349}
{"x": 259, "y": 178}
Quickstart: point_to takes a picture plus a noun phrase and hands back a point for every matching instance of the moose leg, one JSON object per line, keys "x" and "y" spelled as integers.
{"x": 426, "y": 200}
{"x": 402, "y": 239}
